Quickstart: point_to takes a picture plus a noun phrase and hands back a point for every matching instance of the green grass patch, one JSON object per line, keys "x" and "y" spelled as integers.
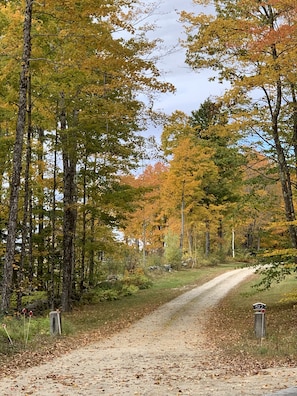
{"x": 120, "y": 312}
{"x": 22, "y": 332}
{"x": 232, "y": 323}
{"x": 98, "y": 318}
{"x": 177, "y": 279}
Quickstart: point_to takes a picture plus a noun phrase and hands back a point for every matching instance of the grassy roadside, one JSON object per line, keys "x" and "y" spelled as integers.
{"x": 120, "y": 313}
{"x": 231, "y": 328}
{"x": 92, "y": 322}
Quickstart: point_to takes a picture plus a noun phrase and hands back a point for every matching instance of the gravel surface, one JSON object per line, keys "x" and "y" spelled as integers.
{"x": 164, "y": 354}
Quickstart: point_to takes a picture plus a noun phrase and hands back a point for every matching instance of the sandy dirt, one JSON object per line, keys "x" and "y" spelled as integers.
{"x": 163, "y": 354}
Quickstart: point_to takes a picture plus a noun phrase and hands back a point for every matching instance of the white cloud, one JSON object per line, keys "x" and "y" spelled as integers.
{"x": 192, "y": 88}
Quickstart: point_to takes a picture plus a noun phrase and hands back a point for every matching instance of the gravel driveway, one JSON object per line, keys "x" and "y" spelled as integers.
{"x": 163, "y": 354}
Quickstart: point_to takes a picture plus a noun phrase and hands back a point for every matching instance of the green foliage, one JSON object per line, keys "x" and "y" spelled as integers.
{"x": 204, "y": 177}
{"x": 116, "y": 289}
{"x": 99, "y": 295}
{"x": 238, "y": 43}
{"x": 212, "y": 129}
{"x": 173, "y": 253}
{"x": 274, "y": 271}
{"x": 36, "y": 295}
{"x": 22, "y": 331}
{"x": 82, "y": 76}
{"x": 154, "y": 260}
{"x": 138, "y": 279}
{"x": 129, "y": 290}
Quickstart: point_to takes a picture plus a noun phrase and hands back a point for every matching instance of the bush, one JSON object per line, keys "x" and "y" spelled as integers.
{"x": 173, "y": 253}
{"x": 115, "y": 289}
{"x": 129, "y": 290}
{"x": 98, "y": 295}
{"x": 137, "y": 279}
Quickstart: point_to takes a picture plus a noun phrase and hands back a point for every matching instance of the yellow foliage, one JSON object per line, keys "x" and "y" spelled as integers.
{"x": 284, "y": 253}
{"x": 290, "y": 297}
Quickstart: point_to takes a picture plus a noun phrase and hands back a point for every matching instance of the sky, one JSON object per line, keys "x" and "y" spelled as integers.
{"x": 192, "y": 88}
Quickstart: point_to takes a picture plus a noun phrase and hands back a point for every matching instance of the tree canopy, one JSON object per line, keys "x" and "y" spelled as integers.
{"x": 250, "y": 44}
{"x": 86, "y": 65}
{"x": 83, "y": 194}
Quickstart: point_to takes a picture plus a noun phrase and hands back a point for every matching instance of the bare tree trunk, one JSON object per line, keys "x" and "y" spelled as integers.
{"x": 191, "y": 240}
{"x": 182, "y": 231}
{"x": 233, "y": 242}
{"x": 84, "y": 238}
{"x": 17, "y": 161}
{"x": 286, "y": 184}
{"x": 26, "y": 215}
{"x": 41, "y": 241}
{"x": 92, "y": 253}
{"x": 207, "y": 238}
{"x": 69, "y": 225}
{"x": 220, "y": 235}
{"x": 294, "y": 117}
{"x": 284, "y": 172}
{"x": 53, "y": 255}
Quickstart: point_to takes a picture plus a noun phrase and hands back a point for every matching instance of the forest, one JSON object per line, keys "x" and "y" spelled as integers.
{"x": 87, "y": 196}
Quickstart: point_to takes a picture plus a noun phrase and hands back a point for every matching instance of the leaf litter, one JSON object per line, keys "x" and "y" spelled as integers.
{"x": 168, "y": 352}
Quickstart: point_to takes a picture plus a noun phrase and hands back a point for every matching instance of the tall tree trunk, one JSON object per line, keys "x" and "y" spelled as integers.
{"x": 233, "y": 242}
{"x": 69, "y": 203}
{"x": 191, "y": 240}
{"x": 285, "y": 180}
{"x": 284, "y": 171}
{"x": 207, "y": 238}
{"x": 84, "y": 238}
{"x": 220, "y": 235}
{"x": 5, "y": 157}
{"x": 17, "y": 161}
{"x": 182, "y": 231}
{"x": 250, "y": 236}
{"x": 26, "y": 214}
{"x": 294, "y": 116}
{"x": 92, "y": 253}
{"x": 41, "y": 242}
{"x": 53, "y": 255}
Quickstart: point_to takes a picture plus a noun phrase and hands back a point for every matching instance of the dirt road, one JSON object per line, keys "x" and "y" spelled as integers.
{"x": 164, "y": 354}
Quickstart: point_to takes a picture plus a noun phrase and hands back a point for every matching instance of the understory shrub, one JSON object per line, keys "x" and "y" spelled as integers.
{"x": 115, "y": 289}
{"x": 138, "y": 279}
{"x": 173, "y": 253}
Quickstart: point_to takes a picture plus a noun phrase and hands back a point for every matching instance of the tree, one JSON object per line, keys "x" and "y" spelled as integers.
{"x": 250, "y": 44}
{"x": 17, "y": 159}
{"x": 191, "y": 172}
{"x": 260, "y": 208}
{"x": 85, "y": 79}
{"x": 212, "y": 129}
{"x": 206, "y": 156}
{"x": 145, "y": 226}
